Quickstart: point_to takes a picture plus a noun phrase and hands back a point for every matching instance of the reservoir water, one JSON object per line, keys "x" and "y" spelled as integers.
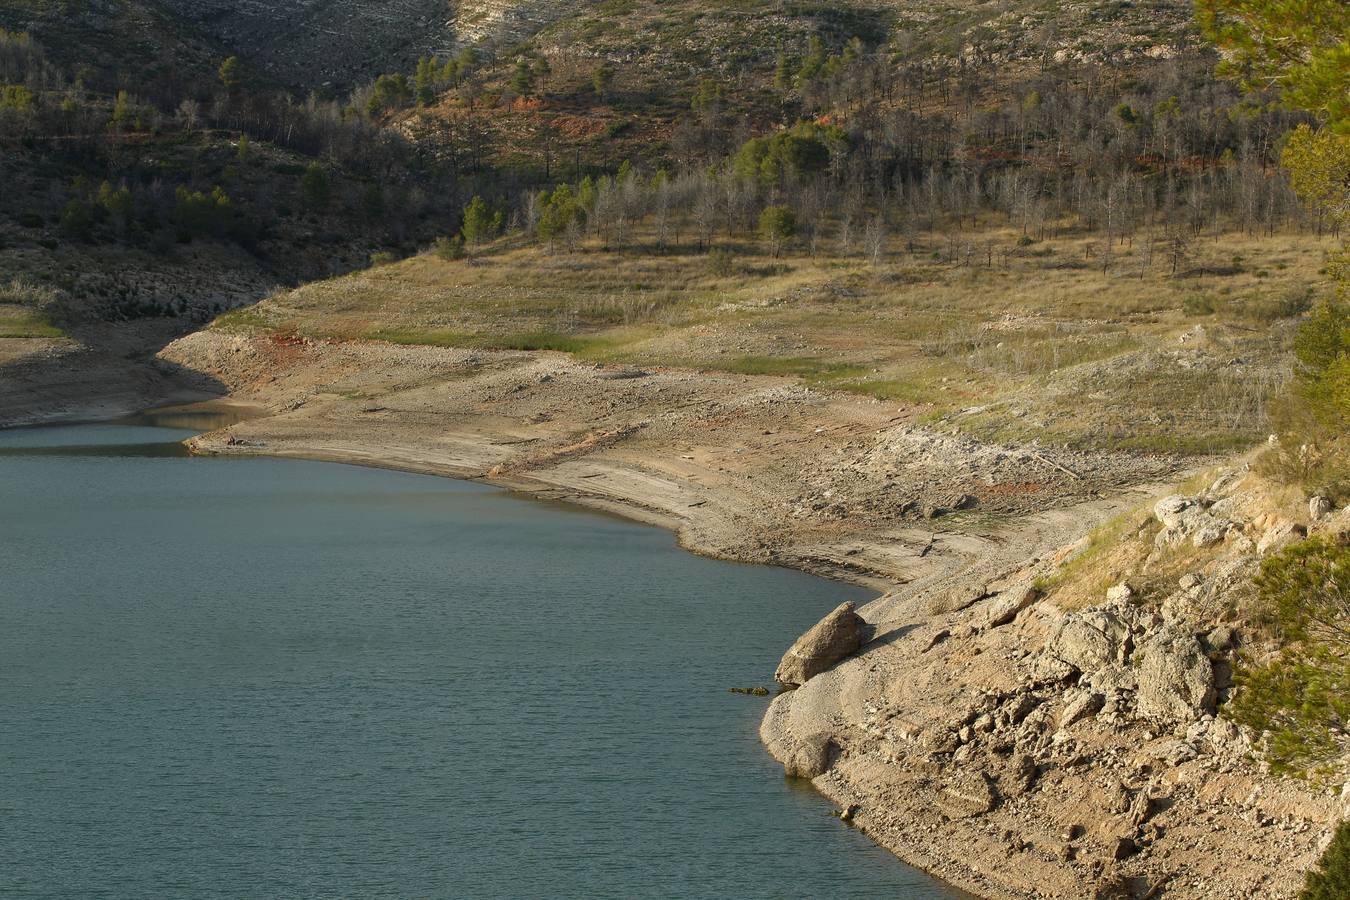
{"x": 274, "y": 678}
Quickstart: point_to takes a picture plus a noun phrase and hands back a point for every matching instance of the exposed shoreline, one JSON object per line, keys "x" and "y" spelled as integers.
{"x": 761, "y": 470}
{"x": 543, "y": 425}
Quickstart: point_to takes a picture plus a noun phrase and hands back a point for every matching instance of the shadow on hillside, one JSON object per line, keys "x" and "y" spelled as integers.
{"x": 114, "y": 371}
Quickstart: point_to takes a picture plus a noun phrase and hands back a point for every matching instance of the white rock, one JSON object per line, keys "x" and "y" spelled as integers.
{"x": 1120, "y": 593}
{"x": 1082, "y": 706}
{"x": 1279, "y": 536}
{"x": 1209, "y": 533}
{"x": 1170, "y": 510}
{"x": 1176, "y": 678}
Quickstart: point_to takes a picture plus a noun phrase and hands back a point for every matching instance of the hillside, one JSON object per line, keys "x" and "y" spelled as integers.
{"x": 1017, "y": 311}
{"x": 312, "y": 44}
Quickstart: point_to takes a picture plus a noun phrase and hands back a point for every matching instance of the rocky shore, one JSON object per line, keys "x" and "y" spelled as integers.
{"x": 984, "y": 726}
{"x": 1022, "y": 749}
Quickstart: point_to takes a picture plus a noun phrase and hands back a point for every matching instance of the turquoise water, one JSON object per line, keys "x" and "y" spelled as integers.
{"x": 274, "y": 678}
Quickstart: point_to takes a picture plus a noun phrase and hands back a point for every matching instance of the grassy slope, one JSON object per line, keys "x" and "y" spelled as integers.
{"x": 1038, "y": 345}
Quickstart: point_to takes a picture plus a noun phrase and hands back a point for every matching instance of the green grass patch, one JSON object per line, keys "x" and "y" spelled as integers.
{"x": 17, "y": 322}
{"x": 812, "y": 368}
{"x": 592, "y": 348}
{"x": 434, "y": 337}
{"x": 243, "y": 318}
{"x": 1088, "y": 564}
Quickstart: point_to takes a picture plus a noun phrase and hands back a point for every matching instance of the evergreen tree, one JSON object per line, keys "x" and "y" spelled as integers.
{"x": 315, "y": 188}
{"x": 1301, "y": 47}
{"x": 522, "y": 82}
{"x": 480, "y": 223}
{"x": 424, "y": 82}
{"x": 603, "y": 80}
{"x": 1330, "y": 880}
{"x": 542, "y": 72}
{"x": 231, "y": 75}
{"x": 777, "y": 225}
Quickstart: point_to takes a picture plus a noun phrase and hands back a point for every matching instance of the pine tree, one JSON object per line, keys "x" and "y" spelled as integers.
{"x": 602, "y": 80}
{"x": 1330, "y": 880}
{"x": 479, "y": 222}
{"x": 315, "y": 188}
{"x": 522, "y": 82}
{"x": 424, "y": 82}
{"x": 777, "y": 225}
{"x": 231, "y": 75}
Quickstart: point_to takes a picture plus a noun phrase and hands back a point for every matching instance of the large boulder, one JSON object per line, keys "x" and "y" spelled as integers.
{"x": 1176, "y": 678}
{"x": 1187, "y": 519}
{"x": 1091, "y": 640}
{"x": 833, "y": 638}
{"x": 809, "y": 757}
{"x": 1004, "y": 607}
{"x": 1173, "y": 511}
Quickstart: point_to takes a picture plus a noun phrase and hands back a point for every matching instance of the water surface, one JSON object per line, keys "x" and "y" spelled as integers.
{"x": 275, "y": 678}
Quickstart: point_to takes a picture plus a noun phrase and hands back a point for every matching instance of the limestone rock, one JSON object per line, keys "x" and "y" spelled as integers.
{"x": 1091, "y": 639}
{"x": 1084, "y": 705}
{"x": 1319, "y": 507}
{"x": 968, "y": 794}
{"x": 1176, "y": 678}
{"x": 810, "y": 757}
{"x": 1185, "y": 518}
{"x": 1170, "y": 511}
{"x": 1005, "y": 606}
{"x": 833, "y": 638}
{"x": 1279, "y": 536}
{"x": 1209, "y": 533}
{"x": 1019, "y": 776}
{"x": 1120, "y": 593}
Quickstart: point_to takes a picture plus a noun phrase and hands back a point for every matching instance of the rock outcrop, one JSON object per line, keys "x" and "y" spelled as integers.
{"x": 1176, "y": 678}
{"x": 833, "y": 638}
{"x": 1070, "y": 741}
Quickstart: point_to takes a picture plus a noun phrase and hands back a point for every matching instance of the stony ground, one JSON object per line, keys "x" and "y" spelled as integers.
{"x": 1022, "y": 745}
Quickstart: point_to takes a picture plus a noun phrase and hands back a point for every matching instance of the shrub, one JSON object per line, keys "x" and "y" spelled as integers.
{"x": 1197, "y": 305}
{"x": 721, "y": 262}
{"x": 1330, "y": 880}
{"x": 802, "y": 150}
{"x": 197, "y": 214}
{"x": 77, "y": 220}
{"x": 1300, "y": 700}
{"x": 448, "y": 248}
{"x": 315, "y": 187}
{"x": 382, "y": 258}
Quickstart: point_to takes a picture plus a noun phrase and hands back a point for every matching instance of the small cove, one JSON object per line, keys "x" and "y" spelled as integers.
{"x": 268, "y": 677}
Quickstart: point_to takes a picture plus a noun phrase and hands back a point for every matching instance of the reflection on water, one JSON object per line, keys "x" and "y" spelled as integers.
{"x": 153, "y": 433}
{"x": 197, "y": 418}
{"x": 94, "y": 440}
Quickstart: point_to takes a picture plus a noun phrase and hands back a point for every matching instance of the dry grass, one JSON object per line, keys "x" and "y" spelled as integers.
{"x": 1019, "y": 346}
